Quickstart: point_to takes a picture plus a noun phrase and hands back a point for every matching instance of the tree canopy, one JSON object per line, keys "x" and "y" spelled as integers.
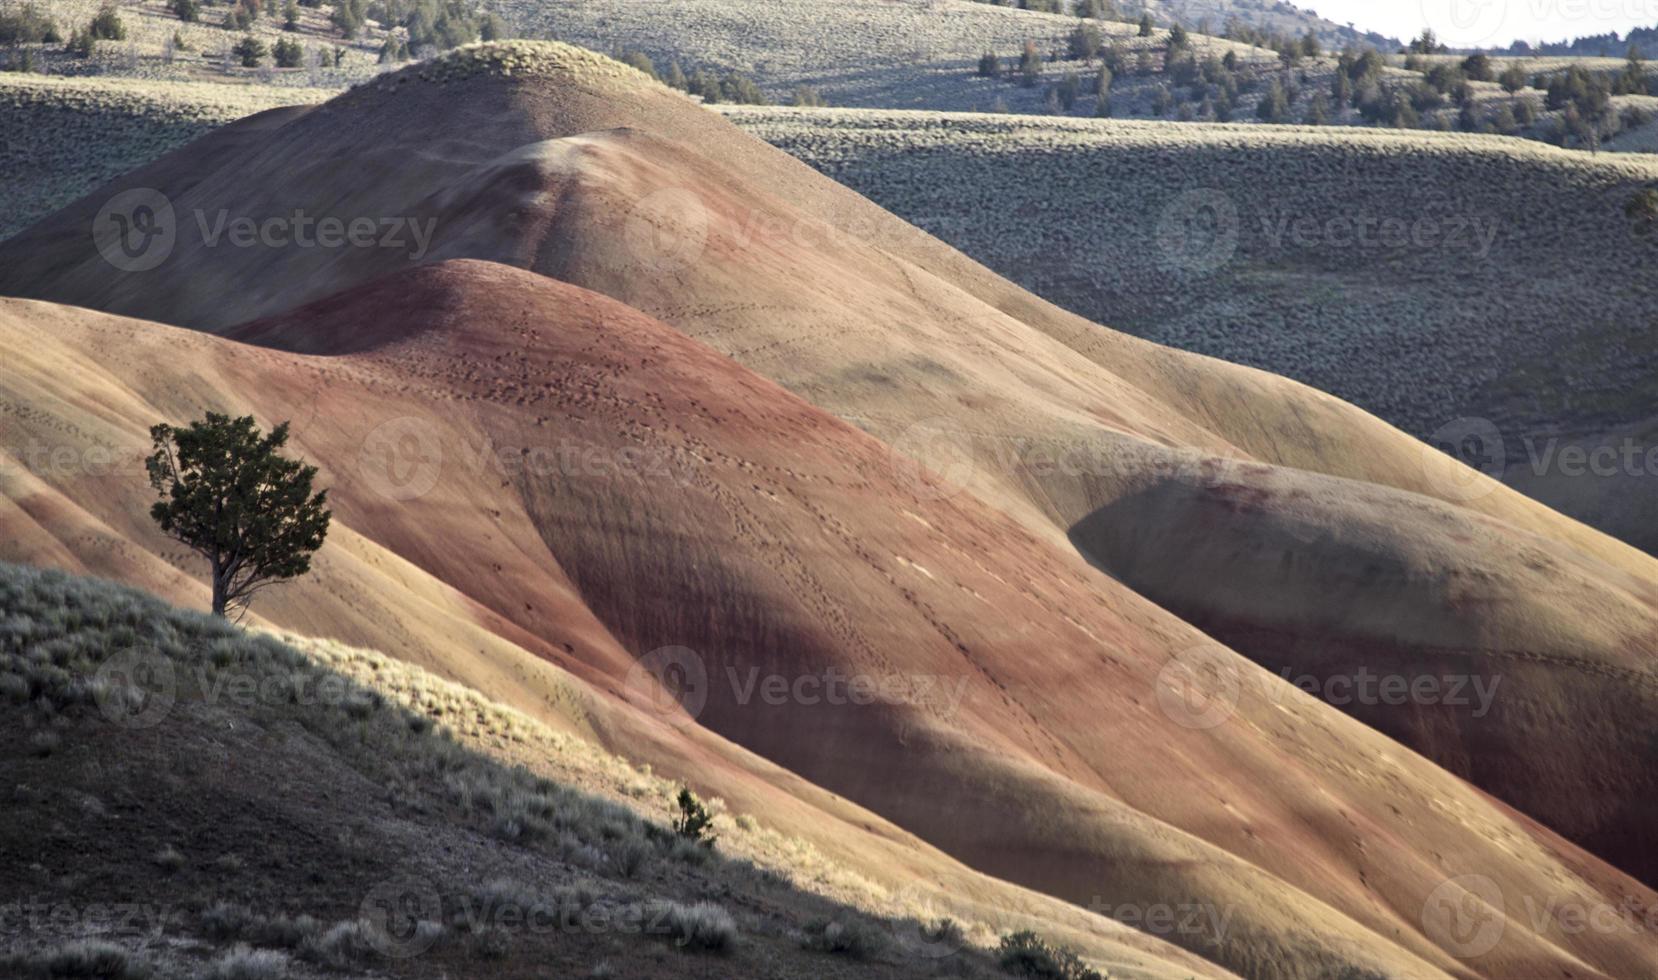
{"x": 229, "y": 495}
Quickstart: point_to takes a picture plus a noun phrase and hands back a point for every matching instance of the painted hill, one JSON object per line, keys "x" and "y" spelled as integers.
{"x": 721, "y": 496}
{"x": 686, "y": 321}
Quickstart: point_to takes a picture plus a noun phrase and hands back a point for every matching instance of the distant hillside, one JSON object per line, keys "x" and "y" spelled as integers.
{"x": 64, "y": 136}
{"x": 1230, "y": 62}
{"x": 1271, "y": 16}
{"x": 1508, "y": 283}
{"x": 1608, "y": 45}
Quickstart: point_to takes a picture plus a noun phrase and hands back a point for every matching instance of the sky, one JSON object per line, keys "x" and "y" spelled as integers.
{"x": 1490, "y": 23}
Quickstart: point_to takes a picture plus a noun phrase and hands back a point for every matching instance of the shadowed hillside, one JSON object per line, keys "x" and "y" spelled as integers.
{"x": 195, "y": 800}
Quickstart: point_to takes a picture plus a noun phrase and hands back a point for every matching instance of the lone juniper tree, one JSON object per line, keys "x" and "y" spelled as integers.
{"x": 230, "y": 496}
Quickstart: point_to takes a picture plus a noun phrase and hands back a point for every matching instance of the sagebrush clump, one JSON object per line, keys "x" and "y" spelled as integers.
{"x": 1025, "y": 954}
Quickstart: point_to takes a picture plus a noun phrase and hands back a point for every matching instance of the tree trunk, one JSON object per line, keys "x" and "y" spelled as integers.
{"x": 220, "y": 583}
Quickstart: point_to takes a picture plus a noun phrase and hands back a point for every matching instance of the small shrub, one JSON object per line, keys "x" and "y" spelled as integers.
{"x": 1030, "y": 65}
{"x": 688, "y": 852}
{"x": 27, "y": 25}
{"x": 1642, "y": 210}
{"x": 43, "y": 743}
{"x": 694, "y": 822}
{"x": 1025, "y": 954}
{"x": 107, "y": 25}
{"x": 1084, "y": 42}
{"x": 630, "y": 857}
{"x": 282, "y": 932}
{"x": 855, "y": 938}
{"x": 14, "y": 688}
{"x": 806, "y": 96}
{"x": 288, "y": 54}
{"x": 81, "y": 44}
{"x": 88, "y": 960}
{"x": 169, "y": 860}
{"x": 945, "y": 933}
{"x": 492, "y": 943}
{"x": 224, "y": 921}
{"x": 343, "y": 945}
{"x": 641, "y": 62}
{"x": 503, "y": 897}
{"x": 250, "y": 50}
{"x": 700, "y": 926}
{"x": 227, "y": 921}
{"x": 243, "y": 963}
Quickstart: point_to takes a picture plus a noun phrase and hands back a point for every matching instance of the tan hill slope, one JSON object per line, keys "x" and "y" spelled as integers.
{"x": 458, "y": 578}
{"x": 799, "y": 544}
{"x": 694, "y": 505}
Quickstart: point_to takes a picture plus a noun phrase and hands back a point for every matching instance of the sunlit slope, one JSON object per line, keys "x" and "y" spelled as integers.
{"x": 781, "y": 539}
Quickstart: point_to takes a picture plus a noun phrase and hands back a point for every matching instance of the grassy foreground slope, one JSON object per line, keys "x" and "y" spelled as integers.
{"x": 1429, "y": 278}
{"x": 188, "y": 799}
